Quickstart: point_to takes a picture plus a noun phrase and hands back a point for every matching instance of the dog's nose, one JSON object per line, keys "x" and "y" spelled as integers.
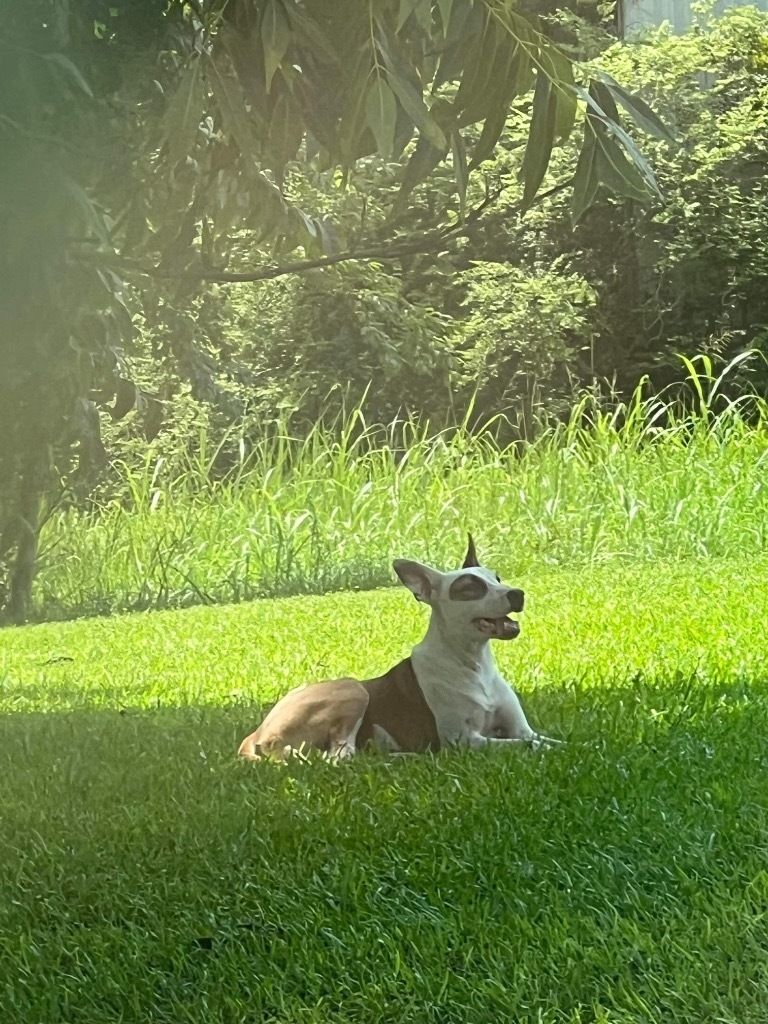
{"x": 516, "y": 600}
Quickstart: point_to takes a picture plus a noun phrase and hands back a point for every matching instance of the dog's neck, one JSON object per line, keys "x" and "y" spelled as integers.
{"x": 474, "y": 657}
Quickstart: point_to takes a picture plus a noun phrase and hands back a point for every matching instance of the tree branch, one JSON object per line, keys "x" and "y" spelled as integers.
{"x": 428, "y": 242}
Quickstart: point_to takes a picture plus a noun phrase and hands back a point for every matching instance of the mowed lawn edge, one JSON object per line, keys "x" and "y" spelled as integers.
{"x": 596, "y": 626}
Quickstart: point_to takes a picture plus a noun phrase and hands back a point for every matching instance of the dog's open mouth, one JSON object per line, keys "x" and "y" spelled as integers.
{"x": 502, "y": 628}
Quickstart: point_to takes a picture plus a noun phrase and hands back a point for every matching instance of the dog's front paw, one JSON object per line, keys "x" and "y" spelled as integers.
{"x": 545, "y": 743}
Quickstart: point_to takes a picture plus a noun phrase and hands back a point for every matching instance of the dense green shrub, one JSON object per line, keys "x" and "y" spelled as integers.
{"x": 339, "y": 333}
{"x": 525, "y": 308}
{"x": 694, "y": 277}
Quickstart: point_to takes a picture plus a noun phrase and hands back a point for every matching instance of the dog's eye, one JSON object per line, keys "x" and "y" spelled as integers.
{"x": 498, "y": 579}
{"x": 467, "y": 588}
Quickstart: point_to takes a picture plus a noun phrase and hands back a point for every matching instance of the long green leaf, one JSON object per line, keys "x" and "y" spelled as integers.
{"x": 423, "y": 161}
{"x": 381, "y": 115}
{"x": 643, "y": 116}
{"x": 465, "y": 25}
{"x": 182, "y": 116}
{"x": 615, "y": 170}
{"x": 491, "y": 133}
{"x": 445, "y": 13}
{"x": 231, "y": 102}
{"x": 311, "y": 36}
{"x": 406, "y": 10}
{"x": 541, "y": 138}
{"x": 285, "y": 133}
{"x": 410, "y": 98}
{"x": 567, "y": 101}
{"x": 605, "y": 101}
{"x": 585, "y": 179}
{"x": 522, "y": 68}
{"x": 275, "y": 38}
{"x": 626, "y": 141}
{"x": 482, "y": 73}
{"x": 92, "y": 217}
{"x": 420, "y": 9}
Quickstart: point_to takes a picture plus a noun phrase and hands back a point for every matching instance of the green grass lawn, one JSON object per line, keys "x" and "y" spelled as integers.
{"x": 148, "y": 877}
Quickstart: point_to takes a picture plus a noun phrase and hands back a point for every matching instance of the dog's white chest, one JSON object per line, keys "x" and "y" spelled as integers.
{"x": 462, "y": 701}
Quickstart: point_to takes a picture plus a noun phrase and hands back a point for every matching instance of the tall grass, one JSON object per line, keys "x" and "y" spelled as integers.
{"x": 648, "y": 479}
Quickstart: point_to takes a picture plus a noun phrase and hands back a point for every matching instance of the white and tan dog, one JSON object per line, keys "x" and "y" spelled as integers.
{"x": 449, "y": 691}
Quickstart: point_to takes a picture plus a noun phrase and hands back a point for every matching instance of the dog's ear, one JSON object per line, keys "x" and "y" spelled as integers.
{"x": 417, "y": 577}
{"x": 470, "y": 559}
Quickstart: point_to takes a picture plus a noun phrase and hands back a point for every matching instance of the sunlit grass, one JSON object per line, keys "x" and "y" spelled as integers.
{"x": 640, "y": 481}
{"x": 145, "y": 875}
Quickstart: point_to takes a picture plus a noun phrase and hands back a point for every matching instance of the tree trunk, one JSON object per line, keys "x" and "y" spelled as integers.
{"x": 27, "y": 536}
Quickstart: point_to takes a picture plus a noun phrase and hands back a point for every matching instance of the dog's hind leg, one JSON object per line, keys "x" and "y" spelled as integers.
{"x": 250, "y": 750}
{"x": 323, "y": 716}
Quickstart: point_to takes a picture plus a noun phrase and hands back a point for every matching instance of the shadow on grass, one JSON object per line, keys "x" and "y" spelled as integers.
{"x": 156, "y": 877}
{"x": 352, "y": 575}
{"x": 610, "y": 719}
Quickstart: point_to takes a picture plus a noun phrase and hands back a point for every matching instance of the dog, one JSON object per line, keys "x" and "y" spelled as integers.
{"x": 448, "y": 692}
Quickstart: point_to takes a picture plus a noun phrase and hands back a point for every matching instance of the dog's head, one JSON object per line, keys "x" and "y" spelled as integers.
{"x": 473, "y": 602}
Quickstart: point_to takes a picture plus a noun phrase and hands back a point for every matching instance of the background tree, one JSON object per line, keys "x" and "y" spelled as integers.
{"x": 160, "y": 144}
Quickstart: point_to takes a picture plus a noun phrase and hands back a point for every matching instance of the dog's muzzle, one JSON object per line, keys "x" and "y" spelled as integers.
{"x": 503, "y": 628}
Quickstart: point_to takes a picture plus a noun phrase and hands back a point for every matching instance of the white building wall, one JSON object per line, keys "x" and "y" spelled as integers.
{"x": 639, "y": 14}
